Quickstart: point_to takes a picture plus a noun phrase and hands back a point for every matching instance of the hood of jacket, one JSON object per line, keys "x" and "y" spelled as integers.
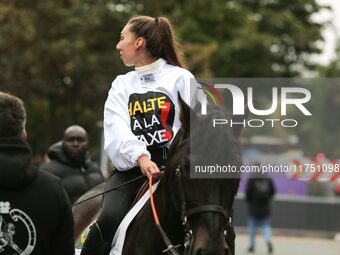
{"x": 15, "y": 163}
{"x": 56, "y": 152}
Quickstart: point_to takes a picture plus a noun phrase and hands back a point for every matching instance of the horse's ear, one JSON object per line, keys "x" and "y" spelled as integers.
{"x": 186, "y": 112}
{"x": 237, "y": 129}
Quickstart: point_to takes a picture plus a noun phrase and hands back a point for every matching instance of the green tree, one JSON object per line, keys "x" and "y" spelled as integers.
{"x": 59, "y": 56}
{"x": 275, "y": 40}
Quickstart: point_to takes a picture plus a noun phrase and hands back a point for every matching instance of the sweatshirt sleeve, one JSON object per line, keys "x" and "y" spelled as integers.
{"x": 189, "y": 89}
{"x": 121, "y": 145}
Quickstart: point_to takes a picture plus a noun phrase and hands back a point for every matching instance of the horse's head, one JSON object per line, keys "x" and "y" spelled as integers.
{"x": 205, "y": 204}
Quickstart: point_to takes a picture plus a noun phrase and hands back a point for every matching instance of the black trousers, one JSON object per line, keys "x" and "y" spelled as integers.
{"x": 115, "y": 206}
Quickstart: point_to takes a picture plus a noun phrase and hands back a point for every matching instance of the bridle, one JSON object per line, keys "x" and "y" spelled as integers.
{"x": 186, "y": 214}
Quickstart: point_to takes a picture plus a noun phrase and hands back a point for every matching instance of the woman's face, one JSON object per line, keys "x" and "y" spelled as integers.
{"x": 127, "y": 46}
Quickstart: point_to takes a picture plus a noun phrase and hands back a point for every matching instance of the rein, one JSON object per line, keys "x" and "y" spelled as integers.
{"x": 171, "y": 249}
{"x": 106, "y": 191}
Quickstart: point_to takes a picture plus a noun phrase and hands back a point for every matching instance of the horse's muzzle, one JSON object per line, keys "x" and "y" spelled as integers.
{"x": 205, "y": 244}
{"x": 214, "y": 251}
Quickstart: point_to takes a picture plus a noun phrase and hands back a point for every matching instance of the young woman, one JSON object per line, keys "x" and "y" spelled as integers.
{"x": 141, "y": 117}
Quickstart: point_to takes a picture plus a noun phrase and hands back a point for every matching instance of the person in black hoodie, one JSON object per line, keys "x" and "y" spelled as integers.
{"x": 71, "y": 162}
{"x": 260, "y": 190}
{"x": 35, "y": 212}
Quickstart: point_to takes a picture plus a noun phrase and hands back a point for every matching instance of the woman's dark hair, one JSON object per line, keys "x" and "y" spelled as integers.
{"x": 160, "y": 38}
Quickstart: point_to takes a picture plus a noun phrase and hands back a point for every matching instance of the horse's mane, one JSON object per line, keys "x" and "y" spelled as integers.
{"x": 214, "y": 143}
{"x": 198, "y": 143}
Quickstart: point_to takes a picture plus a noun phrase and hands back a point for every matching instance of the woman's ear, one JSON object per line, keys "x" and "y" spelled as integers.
{"x": 139, "y": 43}
{"x": 24, "y": 135}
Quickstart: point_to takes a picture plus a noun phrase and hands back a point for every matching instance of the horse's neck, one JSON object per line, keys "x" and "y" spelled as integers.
{"x": 163, "y": 196}
{"x": 168, "y": 215}
{"x": 144, "y": 223}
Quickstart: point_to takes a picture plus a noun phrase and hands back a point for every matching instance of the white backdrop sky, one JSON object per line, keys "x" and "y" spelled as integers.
{"x": 331, "y": 32}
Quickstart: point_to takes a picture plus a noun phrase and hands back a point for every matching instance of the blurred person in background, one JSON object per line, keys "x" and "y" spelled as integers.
{"x": 35, "y": 212}
{"x": 260, "y": 190}
{"x": 70, "y": 161}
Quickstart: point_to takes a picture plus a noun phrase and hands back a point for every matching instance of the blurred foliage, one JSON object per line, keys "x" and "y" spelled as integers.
{"x": 332, "y": 70}
{"x": 59, "y": 55}
{"x": 326, "y": 130}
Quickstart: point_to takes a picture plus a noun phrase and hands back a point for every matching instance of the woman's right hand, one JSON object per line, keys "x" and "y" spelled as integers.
{"x": 148, "y": 167}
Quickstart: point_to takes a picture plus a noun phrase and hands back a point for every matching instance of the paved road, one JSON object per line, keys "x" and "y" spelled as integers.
{"x": 288, "y": 245}
{"x": 284, "y": 245}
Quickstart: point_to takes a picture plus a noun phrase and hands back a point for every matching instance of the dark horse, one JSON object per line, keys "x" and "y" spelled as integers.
{"x": 194, "y": 213}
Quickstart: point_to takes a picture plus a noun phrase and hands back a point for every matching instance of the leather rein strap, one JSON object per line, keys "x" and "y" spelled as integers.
{"x": 171, "y": 249}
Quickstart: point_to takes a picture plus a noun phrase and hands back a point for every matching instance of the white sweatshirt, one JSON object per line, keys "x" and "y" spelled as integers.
{"x": 142, "y": 111}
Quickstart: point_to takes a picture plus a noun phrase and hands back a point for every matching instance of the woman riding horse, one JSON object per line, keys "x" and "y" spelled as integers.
{"x": 193, "y": 212}
{"x": 141, "y": 117}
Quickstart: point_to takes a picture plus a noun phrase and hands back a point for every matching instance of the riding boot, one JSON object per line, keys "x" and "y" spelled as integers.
{"x": 95, "y": 245}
